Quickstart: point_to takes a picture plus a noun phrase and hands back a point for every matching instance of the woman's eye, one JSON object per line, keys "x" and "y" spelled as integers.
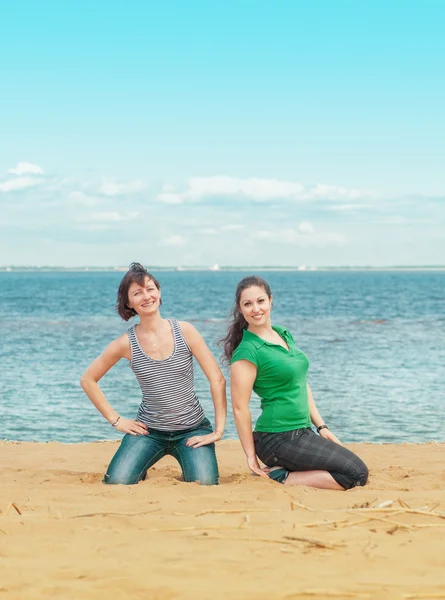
{"x": 261, "y": 300}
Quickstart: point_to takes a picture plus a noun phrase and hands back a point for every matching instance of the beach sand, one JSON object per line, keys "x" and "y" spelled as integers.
{"x": 246, "y": 538}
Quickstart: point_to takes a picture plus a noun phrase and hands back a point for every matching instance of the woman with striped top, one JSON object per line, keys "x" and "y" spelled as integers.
{"x": 170, "y": 419}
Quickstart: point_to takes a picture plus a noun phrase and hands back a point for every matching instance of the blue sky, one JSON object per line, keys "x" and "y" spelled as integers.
{"x": 247, "y": 132}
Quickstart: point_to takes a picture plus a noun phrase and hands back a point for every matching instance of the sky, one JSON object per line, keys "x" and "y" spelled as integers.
{"x": 236, "y": 132}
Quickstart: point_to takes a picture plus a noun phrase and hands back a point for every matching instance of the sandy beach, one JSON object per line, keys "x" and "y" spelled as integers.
{"x": 63, "y": 534}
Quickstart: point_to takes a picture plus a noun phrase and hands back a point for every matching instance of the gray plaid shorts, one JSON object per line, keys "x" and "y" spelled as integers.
{"x": 304, "y": 450}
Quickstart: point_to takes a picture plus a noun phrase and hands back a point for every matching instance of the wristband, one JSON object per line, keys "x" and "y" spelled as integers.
{"x": 320, "y": 427}
{"x": 115, "y": 422}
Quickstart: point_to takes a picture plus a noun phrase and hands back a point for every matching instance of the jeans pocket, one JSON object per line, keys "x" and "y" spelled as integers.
{"x": 205, "y": 423}
{"x": 270, "y": 460}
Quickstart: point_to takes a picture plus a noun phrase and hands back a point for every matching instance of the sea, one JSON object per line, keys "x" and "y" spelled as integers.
{"x": 375, "y": 341}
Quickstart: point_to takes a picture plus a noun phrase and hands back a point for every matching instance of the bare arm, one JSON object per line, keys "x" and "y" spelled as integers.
{"x": 118, "y": 349}
{"x": 211, "y": 370}
{"x": 317, "y": 419}
{"x": 242, "y": 376}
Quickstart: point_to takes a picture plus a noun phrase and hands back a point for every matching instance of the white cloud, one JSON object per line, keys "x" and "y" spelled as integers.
{"x": 261, "y": 190}
{"x": 174, "y": 240}
{"x": 263, "y": 234}
{"x": 170, "y": 198}
{"x": 233, "y": 227}
{"x": 20, "y": 183}
{"x": 109, "y": 187}
{"x": 306, "y": 227}
{"x": 24, "y": 167}
{"x": 95, "y": 227}
{"x": 394, "y": 220}
{"x": 209, "y": 231}
{"x": 84, "y": 199}
{"x": 110, "y": 216}
{"x": 292, "y": 237}
{"x": 349, "y": 207}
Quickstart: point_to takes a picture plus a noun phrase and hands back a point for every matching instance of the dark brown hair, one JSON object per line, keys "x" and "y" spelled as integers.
{"x": 136, "y": 274}
{"x": 238, "y": 323}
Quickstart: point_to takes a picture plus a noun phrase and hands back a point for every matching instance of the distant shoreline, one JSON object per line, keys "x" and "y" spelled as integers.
{"x": 80, "y": 269}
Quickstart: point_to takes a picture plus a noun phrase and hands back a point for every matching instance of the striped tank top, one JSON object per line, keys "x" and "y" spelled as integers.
{"x": 169, "y": 402}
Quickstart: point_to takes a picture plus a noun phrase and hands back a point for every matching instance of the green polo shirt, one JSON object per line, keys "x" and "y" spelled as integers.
{"x": 280, "y": 381}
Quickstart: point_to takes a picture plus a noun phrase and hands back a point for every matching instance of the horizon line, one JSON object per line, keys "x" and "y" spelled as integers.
{"x": 216, "y": 267}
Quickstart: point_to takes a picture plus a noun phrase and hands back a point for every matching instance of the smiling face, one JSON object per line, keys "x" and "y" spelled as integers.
{"x": 255, "y": 305}
{"x": 144, "y": 299}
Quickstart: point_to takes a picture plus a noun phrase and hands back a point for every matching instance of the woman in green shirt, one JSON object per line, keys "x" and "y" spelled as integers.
{"x": 264, "y": 359}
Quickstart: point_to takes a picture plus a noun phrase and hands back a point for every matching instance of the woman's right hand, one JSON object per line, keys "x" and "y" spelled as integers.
{"x": 254, "y": 466}
{"x": 131, "y": 426}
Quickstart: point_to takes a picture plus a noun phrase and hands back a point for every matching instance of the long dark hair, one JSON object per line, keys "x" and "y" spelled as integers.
{"x": 238, "y": 323}
{"x": 136, "y": 273}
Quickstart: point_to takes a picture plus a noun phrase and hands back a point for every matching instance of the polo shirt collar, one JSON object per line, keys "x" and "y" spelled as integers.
{"x": 256, "y": 340}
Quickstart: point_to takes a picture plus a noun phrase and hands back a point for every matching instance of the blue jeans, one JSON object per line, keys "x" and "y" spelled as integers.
{"x": 137, "y": 453}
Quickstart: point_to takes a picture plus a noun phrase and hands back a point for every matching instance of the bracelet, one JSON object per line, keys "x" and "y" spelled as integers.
{"x": 115, "y": 422}
{"x": 320, "y": 427}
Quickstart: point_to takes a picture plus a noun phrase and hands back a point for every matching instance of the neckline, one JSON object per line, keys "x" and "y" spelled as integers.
{"x": 272, "y": 343}
{"x": 158, "y": 360}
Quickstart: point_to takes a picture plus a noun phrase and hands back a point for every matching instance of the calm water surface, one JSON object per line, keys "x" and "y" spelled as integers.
{"x": 375, "y": 340}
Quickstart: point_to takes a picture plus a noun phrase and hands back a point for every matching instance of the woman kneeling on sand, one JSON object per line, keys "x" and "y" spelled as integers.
{"x": 264, "y": 358}
{"x": 170, "y": 419}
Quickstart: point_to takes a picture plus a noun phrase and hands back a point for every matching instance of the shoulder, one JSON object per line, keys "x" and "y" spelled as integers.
{"x": 119, "y": 346}
{"x": 191, "y": 334}
{"x": 185, "y": 326}
{"x": 281, "y": 329}
{"x": 284, "y": 332}
{"x": 246, "y": 350}
{"x": 189, "y": 331}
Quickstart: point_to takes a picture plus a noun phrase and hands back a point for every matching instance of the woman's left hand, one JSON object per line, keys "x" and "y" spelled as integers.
{"x": 202, "y": 440}
{"x": 326, "y": 433}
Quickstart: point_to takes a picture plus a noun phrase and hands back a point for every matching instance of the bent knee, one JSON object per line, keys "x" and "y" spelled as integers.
{"x": 119, "y": 479}
{"x": 204, "y": 479}
{"x": 360, "y": 477}
{"x": 363, "y": 475}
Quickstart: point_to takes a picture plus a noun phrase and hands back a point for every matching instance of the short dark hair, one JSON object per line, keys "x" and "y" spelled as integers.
{"x": 136, "y": 273}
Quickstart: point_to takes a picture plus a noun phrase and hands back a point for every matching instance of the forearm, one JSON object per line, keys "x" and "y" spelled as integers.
{"x": 316, "y": 418}
{"x": 243, "y": 422}
{"x": 218, "y": 391}
{"x": 97, "y": 397}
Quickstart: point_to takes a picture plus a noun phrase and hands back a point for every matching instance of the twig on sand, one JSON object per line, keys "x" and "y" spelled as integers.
{"x": 329, "y": 594}
{"x": 3, "y": 531}
{"x": 113, "y": 514}
{"x": 403, "y": 503}
{"x": 313, "y": 542}
{"x": 233, "y": 511}
{"x": 425, "y": 595}
{"x": 393, "y": 511}
{"x": 367, "y": 549}
{"x": 320, "y": 523}
{"x": 430, "y": 513}
{"x": 295, "y": 503}
{"x": 288, "y": 540}
{"x": 385, "y": 504}
{"x": 200, "y": 528}
{"x": 14, "y": 506}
